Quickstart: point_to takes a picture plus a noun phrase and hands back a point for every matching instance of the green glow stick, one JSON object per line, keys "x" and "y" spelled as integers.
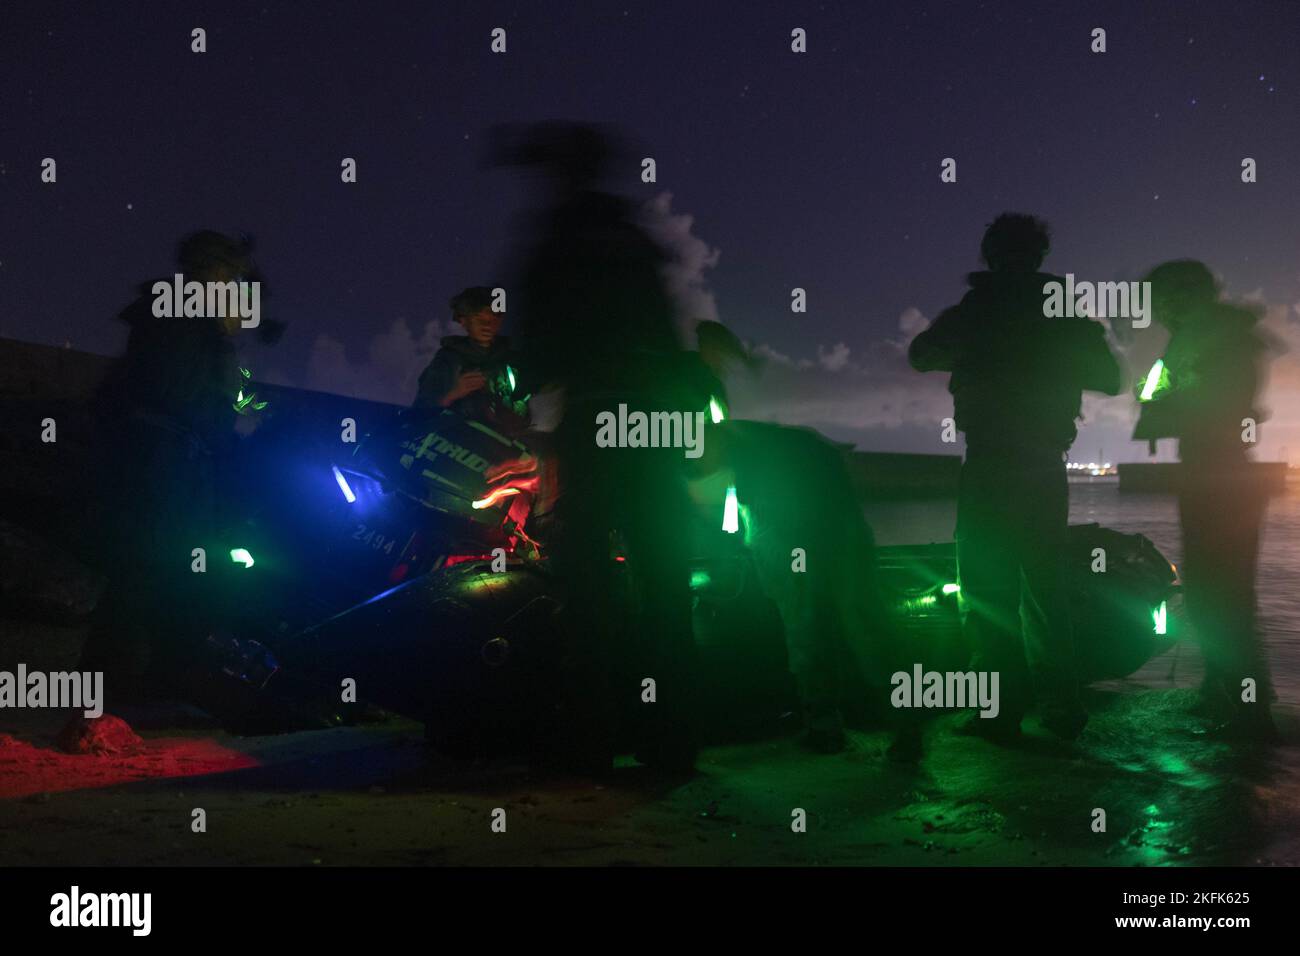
{"x": 1153, "y": 381}
{"x": 731, "y": 512}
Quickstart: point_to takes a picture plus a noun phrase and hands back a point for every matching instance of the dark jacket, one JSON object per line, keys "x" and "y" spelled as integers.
{"x": 1213, "y": 363}
{"x": 797, "y": 493}
{"x": 166, "y": 433}
{"x": 498, "y": 403}
{"x": 1017, "y": 375}
{"x": 597, "y": 316}
{"x": 181, "y": 373}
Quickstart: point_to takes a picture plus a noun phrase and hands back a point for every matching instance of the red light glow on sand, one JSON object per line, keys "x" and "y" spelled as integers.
{"x": 26, "y": 769}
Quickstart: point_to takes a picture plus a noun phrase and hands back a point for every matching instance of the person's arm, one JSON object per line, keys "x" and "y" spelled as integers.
{"x": 1207, "y": 385}
{"x": 1099, "y": 369}
{"x": 466, "y": 383}
{"x": 936, "y": 349}
{"x": 437, "y": 381}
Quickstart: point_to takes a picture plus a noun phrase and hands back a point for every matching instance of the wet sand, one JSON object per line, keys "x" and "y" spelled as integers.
{"x": 375, "y": 795}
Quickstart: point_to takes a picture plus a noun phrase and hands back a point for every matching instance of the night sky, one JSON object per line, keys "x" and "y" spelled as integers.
{"x": 775, "y": 170}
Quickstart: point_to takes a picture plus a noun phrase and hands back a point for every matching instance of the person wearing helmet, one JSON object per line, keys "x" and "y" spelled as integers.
{"x": 1204, "y": 395}
{"x": 166, "y": 415}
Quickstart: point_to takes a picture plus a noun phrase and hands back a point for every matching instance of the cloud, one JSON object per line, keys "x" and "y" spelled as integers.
{"x": 848, "y": 394}
{"x": 839, "y": 389}
{"x": 910, "y": 323}
{"x": 834, "y": 360}
{"x": 692, "y": 258}
{"x": 390, "y": 369}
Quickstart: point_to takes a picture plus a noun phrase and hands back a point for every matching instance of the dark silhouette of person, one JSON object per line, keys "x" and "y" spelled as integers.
{"x": 1206, "y": 399}
{"x": 473, "y": 374}
{"x": 720, "y": 351}
{"x": 166, "y": 415}
{"x": 1017, "y": 379}
{"x": 598, "y": 323}
{"x": 812, "y": 548}
{"x": 815, "y": 557}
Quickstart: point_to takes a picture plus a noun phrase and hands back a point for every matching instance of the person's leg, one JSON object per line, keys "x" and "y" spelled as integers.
{"x": 1222, "y": 516}
{"x": 1048, "y": 627}
{"x": 185, "y": 605}
{"x": 813, "y": 640}
{"x": 151, "y": 591}
{"x": 583, "y": 730}
{"x": 662, "y": 643}
{"x": 1196, "y": 513}
{"x": 117, "y": 642}
{"x": 988, "y": 571}
{"x": 806, "y": 603}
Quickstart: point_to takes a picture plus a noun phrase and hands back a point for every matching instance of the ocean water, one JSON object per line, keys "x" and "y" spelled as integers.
{"x": 1156, "y": 516}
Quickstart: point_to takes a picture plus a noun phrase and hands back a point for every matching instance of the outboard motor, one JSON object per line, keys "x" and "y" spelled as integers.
{"x": 378, "y": 566}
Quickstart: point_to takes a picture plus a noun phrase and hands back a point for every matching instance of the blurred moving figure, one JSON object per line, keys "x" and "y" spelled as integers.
{"x": 1017, "y": 383}
{"x": 1203, "y": 392}
{"x": 597, "y": 322}
{"x": 472, "y": 374}
{"x": 166, "y": 418}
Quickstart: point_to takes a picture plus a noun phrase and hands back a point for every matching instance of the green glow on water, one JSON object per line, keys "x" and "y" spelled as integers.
{"x": 700, "y": 579}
